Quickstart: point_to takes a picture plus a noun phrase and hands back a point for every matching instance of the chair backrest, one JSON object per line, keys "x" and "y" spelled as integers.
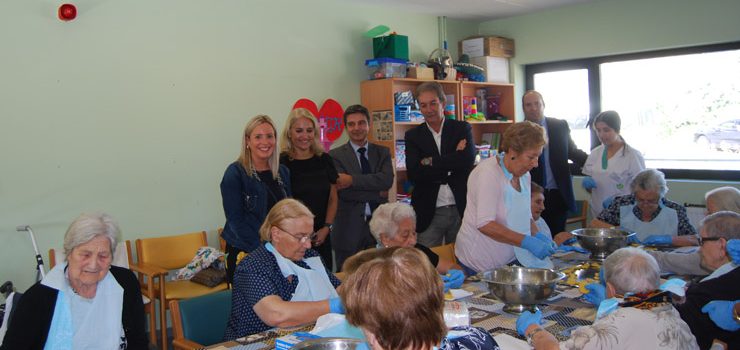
{"x": 580, "y": 215}
{"x": 446, "y": 252}
{"x": 121, "y": 258}
{"x": 201, "y": 319}
{"x": 170, "y": 252}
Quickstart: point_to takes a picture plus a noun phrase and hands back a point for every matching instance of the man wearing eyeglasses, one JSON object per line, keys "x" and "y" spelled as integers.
{"x": 710, "y": 303}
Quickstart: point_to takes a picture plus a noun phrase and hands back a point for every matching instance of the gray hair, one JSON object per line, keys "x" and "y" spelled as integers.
{"x": 725, "y": 224}
{"x": 386, "y": 218}
{"x": 632, "y": 270}
{"x": 725, "y": 198}
{"x": 86, "y": 227}
{"x": 650, "y": 180}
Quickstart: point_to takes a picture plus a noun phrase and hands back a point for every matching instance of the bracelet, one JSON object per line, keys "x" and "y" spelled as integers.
{"x": 530, "y": 337}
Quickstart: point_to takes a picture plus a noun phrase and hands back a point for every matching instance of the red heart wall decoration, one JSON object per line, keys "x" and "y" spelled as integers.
{"x": 330, "y": 118}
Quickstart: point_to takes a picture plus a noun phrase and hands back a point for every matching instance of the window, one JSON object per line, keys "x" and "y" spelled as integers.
{"x": 680, "y": 108}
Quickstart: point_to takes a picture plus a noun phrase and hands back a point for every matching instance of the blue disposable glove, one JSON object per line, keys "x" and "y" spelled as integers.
{"x": 568, "y": 248}
{"x": 454, "y": 279}
{"x": 607, "y": 202}
{"x": 588, "y": 183}
{"x": 537, "y": 247}
{"x": 602, "y": 279}
{"x": 596, "y": 293}
{"x": 733, "y": 250}
{"x": 336, "y": 306}
{"x": 543, "y": 237}
{"x": 633, "y": 240}
{"x": 569, "y": 241}
{"x": 658, "y": 240}
{"x": 720, "y": 311}
{"x": 527, "y": 319}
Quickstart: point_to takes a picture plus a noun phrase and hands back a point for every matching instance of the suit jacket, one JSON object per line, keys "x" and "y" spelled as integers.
{"x": 427, "y": 178}
{"x": 350, "y": 220}
{"x": 562, "y": 148}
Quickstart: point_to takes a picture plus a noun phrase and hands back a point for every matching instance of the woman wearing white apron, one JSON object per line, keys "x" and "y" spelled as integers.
{"x": 497, "y": 226}
{"x": 283, "y": 283}
{"x": 612, "y": 165}
{"x": 647, "y": 212}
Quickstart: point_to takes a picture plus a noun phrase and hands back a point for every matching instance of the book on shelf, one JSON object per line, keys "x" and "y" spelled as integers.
{"x": 491, "y": 138}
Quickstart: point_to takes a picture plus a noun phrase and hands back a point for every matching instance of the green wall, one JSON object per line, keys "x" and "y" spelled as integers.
{"x": 610, "y": 27}
{"x": 137, "y": 107}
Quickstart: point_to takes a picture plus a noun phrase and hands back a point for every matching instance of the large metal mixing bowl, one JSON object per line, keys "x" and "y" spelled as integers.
{"x": 602, "y": 241}
{"x": 329, "y": 344}
{"x": 521, "y": 288}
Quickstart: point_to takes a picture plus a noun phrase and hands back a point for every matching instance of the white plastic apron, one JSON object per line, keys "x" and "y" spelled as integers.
{"x": 101, "y": 327}
{"x": 666, "y": 223}
{"x": 610, "y": 181}
{"x": 518, "y": 216}
{"x": 313, "y": 283}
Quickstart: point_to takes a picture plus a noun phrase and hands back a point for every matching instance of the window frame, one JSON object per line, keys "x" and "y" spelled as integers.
{"x": 594, "y": 83}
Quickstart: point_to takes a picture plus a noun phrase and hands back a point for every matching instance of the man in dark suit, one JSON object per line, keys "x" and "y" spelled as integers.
{"x": 439, "y": 157}
{"x": 553, "y": 171}
{"x": 365, "y": 176}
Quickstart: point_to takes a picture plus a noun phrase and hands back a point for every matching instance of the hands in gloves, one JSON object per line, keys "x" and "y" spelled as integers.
{"x": 588, "y": 183}
{"x": 527, "y": 319}
{"x": 720, "y": 311}
{"x": 453, "y": 279}
{"x": 538, "y": 247}
{"x": 658, "y": 240}
{"x": 336, "y": 306}
{"x": 596, "y": 294}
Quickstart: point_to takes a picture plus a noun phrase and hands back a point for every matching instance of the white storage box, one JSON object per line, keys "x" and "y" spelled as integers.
{"x": 496, "y": 69}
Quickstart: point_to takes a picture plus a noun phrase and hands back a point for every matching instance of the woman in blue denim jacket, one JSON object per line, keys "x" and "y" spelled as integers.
{"x": 250, "y": 187}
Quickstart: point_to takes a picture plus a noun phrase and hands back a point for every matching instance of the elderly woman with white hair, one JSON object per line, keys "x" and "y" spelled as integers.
{"x": 84, "y": 303}
{"x": 637, "y": 314}
{"x": 394, "y": 225}
{"x": 646, "y": 211}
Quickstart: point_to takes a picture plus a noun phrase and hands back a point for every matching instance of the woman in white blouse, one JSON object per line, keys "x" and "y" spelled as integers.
{"x": 612, "y": 165}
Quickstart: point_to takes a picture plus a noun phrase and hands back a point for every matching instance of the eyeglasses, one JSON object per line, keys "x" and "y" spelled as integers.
{"x": 301, "y": 238}
{"x": 703, "y": 240}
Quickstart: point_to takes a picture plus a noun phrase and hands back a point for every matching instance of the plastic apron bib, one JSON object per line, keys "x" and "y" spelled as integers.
{"x": 313, "y": 283}
{"x": 518, "y": 216}
{"x": 611, "y": 182}
{"x": 665, "y": 223}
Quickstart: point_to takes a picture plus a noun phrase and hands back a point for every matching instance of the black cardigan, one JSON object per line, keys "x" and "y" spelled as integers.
{"x": 32, "y": 317}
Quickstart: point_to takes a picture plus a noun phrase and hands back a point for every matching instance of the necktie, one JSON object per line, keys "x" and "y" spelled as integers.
{"x": 543, "y": 166}
{"x": 365, "y": 165}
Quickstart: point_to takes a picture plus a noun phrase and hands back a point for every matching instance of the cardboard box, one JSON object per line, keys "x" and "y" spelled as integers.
{"x": 391, "y": 46}
{"x": 496, "y": 69}
{"x": 495, "y": 46}
{"x": 422, "y": 73}
{"x": 451, "y": 74}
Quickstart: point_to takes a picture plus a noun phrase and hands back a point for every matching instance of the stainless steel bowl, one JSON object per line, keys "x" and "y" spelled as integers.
{"x": 602, "y": 241}
{"x": 521, "y": 288}
{"x": 329, "y": 344}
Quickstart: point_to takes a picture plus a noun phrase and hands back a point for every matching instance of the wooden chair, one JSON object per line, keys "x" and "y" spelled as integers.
{"x": 201, "y": 321}
{"x": 447, "y": 252}
{"x": 158, "y": 256}
{"x": 580, "y": 215}
{"x": 121, "y": 258}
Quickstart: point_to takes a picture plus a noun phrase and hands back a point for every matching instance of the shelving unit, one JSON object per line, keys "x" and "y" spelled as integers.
{"x": 378, "y": 95}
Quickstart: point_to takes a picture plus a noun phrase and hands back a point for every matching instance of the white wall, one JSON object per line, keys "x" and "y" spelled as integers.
{"x": 136, "y": 107}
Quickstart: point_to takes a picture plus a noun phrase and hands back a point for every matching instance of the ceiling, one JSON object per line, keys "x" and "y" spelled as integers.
{"x": 481, "y": 10}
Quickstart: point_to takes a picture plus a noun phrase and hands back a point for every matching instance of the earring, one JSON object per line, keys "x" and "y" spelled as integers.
{"x": 512, "y": 158}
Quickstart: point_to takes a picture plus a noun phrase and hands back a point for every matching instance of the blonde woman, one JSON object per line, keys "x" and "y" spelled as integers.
{"x": 250, "y": 187}
{"x": 312, "y": 175}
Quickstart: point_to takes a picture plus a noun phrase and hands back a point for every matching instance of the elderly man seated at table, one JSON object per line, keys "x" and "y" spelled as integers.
{"x": 84, "y": 303}
{"x": 720, "y": 287}
{"x": 394, "y": 225}
{"x": 655, "y": 219}
{"x": 636, "y": 316}
{"x": 395, "y": 297}
{"x": 283, "y": 283}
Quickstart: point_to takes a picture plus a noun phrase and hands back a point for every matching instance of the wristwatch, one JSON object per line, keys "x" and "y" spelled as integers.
{"x": 330, "y": 226}
{"x": 426, "y": 161}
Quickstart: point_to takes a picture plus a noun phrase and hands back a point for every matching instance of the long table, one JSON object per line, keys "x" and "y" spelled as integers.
{"x": 562, "y": 312}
